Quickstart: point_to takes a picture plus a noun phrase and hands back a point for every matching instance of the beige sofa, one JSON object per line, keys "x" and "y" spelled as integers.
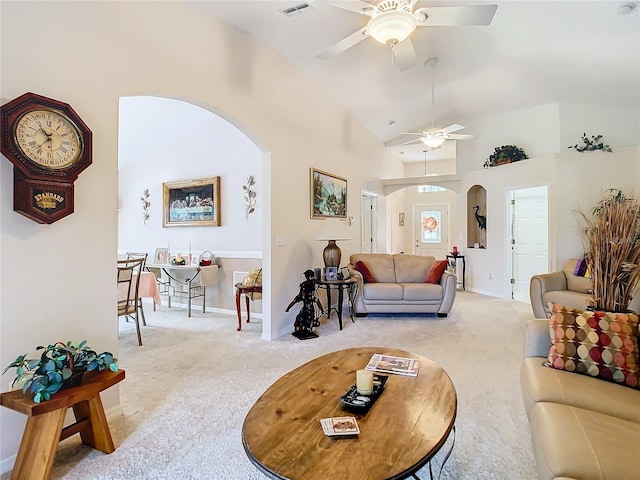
{"x": 400, "y": 285}
{"x": 582, "y": 428}
{"x": 561, "y": 287}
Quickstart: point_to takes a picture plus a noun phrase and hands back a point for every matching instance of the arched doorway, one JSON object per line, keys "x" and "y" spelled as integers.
{"x": 166, "y": 140}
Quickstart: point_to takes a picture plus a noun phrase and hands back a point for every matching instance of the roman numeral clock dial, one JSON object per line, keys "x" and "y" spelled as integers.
{"x": 49, "y": 146}
{"x": 48, "y": 138}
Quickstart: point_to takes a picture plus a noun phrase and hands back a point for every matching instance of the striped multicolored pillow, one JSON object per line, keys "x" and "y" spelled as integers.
{"x": 599, "y": 344}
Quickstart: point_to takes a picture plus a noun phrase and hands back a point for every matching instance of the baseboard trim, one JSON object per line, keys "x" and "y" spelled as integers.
{"x": 198, "y": 308}
{"x": 6, "y": 464}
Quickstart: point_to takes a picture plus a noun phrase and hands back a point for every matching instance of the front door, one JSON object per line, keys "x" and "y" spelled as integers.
{"x": 431, "y": 230}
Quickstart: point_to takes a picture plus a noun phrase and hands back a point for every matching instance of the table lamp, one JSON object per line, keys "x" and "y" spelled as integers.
{"x": 331, "y": 230}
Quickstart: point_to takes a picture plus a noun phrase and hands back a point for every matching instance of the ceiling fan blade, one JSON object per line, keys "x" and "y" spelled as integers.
{"x": 460, "y": 136}
{"x": 452, "y": 16}
{"x": 404, "y": 55}
{"x": 452, "y": 128}
{"x": 352, "y": 6}
{"x": 396, "y": 143}
{"x": 344, "y": 44}
{"x": 415, "y": 140}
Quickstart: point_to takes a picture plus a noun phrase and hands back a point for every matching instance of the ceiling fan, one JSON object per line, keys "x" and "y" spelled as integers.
{"x": 392, "y": 21}
{"x": 433, "y": 137}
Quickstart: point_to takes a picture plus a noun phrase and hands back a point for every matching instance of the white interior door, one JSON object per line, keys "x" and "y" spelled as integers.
{"x": 431, "y": 230}
{"x": 368, "y": 223}
{"x": 529, "y": 238}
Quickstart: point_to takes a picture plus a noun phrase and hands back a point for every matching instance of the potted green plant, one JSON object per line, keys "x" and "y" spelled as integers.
{"x": 591, "y": 144}
{"x": 505, "y": 154}
{"x": 60, "y": 365}
{"x": 612, "y": 249}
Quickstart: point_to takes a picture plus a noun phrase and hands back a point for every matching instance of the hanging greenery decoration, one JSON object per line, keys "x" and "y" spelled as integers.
{"x": 591, "y": 144}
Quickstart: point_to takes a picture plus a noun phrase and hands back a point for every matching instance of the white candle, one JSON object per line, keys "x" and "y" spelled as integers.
{"x": 364, "y": 382}
{"x": 169, "y": 246}
{"x": 189, "y": 247}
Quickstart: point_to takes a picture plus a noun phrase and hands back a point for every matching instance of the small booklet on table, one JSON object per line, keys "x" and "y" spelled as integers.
{"x": 340, "y": 426}
{"x": 388, "y": 364}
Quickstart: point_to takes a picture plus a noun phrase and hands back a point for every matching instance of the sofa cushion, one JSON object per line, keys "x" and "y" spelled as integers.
{"x": 571, "y": 299}
{"x": 422, "y": 292}
{"x": 575, "y": 283}
{"x": 412, "y": 268}
{"x": 382, "y": 291}
{"x": 542, "y": 384}
{"x": 581, "y": 267}
{"x": 367, "y": 276}
{"x": 599, "y": 344}
{"x": 578, "y": 443}
{"x": 436, "y": 271}
{"x": 379, "y": 264}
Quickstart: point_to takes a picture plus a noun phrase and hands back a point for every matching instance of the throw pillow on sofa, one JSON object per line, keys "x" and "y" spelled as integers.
{"x": 599, "y": 344}
{"x": 367, "y": 276}
{"x": 435, "y": 272}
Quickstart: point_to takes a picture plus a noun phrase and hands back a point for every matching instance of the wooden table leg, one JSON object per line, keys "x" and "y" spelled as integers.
{"x": 38, "y": 446}
{"x": 246, "y": 297}
{"x": 340, "y": 300}
{"x": 238, "y": 309}
{"x": 96, "y": 434}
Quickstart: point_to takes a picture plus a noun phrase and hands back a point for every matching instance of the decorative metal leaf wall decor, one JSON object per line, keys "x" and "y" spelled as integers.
{"x": 249, "y": 196}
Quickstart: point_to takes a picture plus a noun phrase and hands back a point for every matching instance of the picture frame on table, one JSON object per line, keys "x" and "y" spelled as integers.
{"x": 191, "y": 203}
{"x": 195, "y": 261}
{"x": 331, "y": 273}
{"x": 344, "y": 273}
{"x": 328, "y": 195}
{"x": 161, "y": 256}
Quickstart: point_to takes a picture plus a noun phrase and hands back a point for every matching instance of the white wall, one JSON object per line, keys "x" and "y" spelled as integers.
{"x": 56, "y": 281}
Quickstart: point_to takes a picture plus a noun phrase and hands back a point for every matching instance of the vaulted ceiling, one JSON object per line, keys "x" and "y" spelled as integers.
{"x": 532, "y": 53}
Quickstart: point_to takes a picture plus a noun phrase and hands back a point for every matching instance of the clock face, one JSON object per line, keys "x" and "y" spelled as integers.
{"x": 48, "y": 138}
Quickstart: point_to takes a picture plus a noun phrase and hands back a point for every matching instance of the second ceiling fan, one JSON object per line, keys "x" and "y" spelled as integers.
{"x": 393, "y": 21}
{"x": 433, "y": 137}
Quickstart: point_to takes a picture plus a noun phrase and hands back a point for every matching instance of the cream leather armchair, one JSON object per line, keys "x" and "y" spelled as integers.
{"x": 561, "y": 287}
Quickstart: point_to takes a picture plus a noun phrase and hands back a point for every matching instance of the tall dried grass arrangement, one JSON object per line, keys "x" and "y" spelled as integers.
{"x": 613, "y": 250}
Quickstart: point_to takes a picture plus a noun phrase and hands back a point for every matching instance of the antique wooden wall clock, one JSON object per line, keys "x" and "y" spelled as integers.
{"x": 49, "y": 146}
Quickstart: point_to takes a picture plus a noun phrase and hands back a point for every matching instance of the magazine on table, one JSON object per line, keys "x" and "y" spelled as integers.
{"x": 338, "y": 426}
{"x": 390, "y": 364}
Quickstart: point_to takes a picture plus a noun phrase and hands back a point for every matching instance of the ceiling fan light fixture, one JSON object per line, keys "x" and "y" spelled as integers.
{"x": 433, "y": 141}
{"x": 392, "y": 27}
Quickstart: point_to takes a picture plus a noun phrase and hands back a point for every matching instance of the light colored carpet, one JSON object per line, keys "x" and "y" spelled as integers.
{"x": 189, "y": 387}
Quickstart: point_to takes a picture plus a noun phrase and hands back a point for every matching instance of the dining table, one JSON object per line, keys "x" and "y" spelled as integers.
{"x": 148, "y": 288}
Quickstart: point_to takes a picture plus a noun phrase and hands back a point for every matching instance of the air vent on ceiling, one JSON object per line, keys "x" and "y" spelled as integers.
{"x": 296, "y": 9}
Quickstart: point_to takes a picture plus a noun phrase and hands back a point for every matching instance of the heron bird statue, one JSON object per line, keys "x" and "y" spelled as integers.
{"x": 482, "y": 227}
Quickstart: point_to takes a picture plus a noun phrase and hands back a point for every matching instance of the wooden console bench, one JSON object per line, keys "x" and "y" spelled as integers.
{"x": 44, "y": 425}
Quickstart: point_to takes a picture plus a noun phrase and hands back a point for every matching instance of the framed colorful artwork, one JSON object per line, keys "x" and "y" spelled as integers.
{"x": 328, "y": 195}
{"x": 191, "y": 203}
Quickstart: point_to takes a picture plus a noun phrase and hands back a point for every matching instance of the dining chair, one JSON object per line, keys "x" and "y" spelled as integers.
{"x": 133, "y": 255}
{"x": 129, "y": 272}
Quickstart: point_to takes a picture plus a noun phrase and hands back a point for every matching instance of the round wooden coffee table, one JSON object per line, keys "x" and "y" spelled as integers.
{"x": 403, "y": 430}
